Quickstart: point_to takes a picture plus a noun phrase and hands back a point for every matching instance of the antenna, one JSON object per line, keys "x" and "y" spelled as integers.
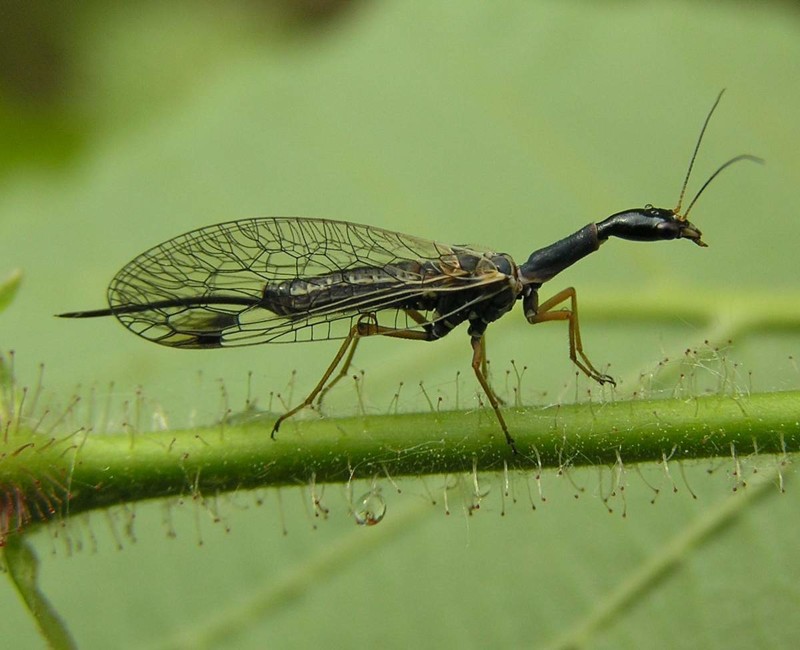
{"x": 677, "y": 209}
{"x": 735, "y": 159}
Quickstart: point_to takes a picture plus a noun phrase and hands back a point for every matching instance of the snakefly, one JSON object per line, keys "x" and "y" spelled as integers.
{"x": 284, "y": 280}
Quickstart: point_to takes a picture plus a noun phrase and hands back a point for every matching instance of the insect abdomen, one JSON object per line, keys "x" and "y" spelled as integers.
{"x": 360, "y": 289}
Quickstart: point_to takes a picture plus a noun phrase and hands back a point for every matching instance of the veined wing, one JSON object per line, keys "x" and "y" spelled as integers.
{"x": 283, "y": 280}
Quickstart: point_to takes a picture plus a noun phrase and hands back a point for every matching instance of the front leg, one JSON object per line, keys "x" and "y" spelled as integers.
{"x": 545, "y": 312}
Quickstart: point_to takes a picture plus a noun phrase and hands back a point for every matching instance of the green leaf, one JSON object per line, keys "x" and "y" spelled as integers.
{"x": 23, "y": 568}
{"x": 510, "y": 125}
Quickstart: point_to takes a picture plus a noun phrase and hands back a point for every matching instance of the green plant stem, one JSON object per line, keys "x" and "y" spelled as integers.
{"x": 43, "y": 478}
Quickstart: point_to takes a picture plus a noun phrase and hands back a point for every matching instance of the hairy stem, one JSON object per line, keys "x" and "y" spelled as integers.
{"x": 45, "y": 477}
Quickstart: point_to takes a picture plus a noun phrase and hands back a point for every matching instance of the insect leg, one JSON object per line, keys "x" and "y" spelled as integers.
{"x": 368, "y": 326}
{"x": 478, "y": 362}
{"x": 546, "y": 313}
{"x": 485, "y": 368}
{"x": 350, "y": 341}
{"x": 373, "y": 329}
{"x": 343, "y": 372}
{"x": 418, "y": 318}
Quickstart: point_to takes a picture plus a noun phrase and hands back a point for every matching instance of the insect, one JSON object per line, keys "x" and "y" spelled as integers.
{"x": 284, "y": 280}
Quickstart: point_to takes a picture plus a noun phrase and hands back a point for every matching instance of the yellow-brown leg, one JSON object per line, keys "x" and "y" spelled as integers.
{"x": 351, "y": 340}
{"x": 367, "y": 325}
{"x": 485, "y": 368}
{"x": 546, "y": 313}
{"x": 484, "y": 361}
{"x": 478, "y": 363}
{"x": 364, "y": 326}
{"x": 345, "y": 367}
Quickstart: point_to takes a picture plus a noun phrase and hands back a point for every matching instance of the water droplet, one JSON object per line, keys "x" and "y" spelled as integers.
{"x": 370, "y": 508}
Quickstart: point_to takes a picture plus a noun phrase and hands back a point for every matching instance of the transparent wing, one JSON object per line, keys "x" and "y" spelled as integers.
{"x": 212, "y": 287}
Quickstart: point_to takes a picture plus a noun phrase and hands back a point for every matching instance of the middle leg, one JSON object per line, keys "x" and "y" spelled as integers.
{"x": 478, "y": 363}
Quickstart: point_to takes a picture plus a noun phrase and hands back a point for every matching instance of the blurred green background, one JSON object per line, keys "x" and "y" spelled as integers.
{"x": 503, "y": 124}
